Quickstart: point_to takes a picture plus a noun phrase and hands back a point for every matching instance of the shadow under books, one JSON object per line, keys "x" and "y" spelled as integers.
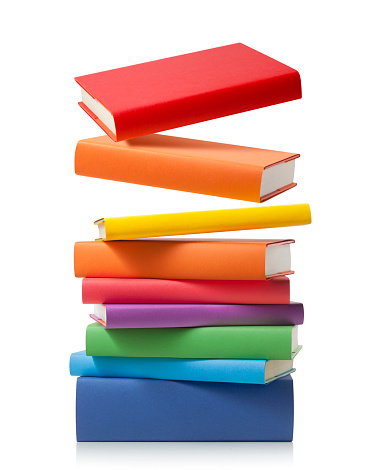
{"x": 261, "y": 452}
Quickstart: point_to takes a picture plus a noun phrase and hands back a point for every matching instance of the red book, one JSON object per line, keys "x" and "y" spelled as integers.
{"x": 178, "y": 91}
{"x": 170, "y": 291}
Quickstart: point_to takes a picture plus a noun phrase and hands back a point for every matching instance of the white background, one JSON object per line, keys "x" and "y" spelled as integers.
{"x": 46, "y": 208}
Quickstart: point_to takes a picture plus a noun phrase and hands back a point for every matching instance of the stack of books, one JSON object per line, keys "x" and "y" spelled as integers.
{"x": 193, "y": 339}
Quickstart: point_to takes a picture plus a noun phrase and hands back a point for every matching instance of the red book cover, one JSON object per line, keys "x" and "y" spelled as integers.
{"x": 164, "y": 94}
{"x": 170, "y": 291}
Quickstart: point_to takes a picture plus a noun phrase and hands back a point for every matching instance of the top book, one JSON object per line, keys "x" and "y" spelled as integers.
{"x": 168, "y": 93}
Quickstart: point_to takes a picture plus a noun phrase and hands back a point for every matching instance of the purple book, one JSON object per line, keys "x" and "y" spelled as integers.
{"x": 192, "y": 315}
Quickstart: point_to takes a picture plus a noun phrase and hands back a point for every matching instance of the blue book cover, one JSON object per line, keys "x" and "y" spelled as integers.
{"x": 208, "y": 370}
{"x": 129, "y": 409}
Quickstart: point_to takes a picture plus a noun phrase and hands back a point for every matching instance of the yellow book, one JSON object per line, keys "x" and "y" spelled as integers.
{"x": 183, "y": 223}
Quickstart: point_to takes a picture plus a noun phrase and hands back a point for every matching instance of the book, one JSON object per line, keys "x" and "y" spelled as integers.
{"x": 130, "y": 409}
{"x": 194, "y": 315}
{"x": 195, "y": 166}
{"x": 164, "y": 94}
{"x": 202, "y": 370}
{"x": 171, "y": 291}
{"x": 160, "y": 225}
{"x": 184, "y": 259}
{"x": 207, "y": 342}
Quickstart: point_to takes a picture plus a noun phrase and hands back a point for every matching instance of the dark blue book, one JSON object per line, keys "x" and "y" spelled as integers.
{"x": 130, "y": 409}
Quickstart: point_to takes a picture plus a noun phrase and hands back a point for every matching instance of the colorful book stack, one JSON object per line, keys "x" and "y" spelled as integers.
{"x": 193, "y": 339}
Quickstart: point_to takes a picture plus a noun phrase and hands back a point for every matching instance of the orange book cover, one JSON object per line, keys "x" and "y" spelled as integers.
{"x": 183, "y": 259}
{"x": 195, "y": 166}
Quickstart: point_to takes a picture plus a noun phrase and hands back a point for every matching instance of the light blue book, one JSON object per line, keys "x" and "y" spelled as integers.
{"x": 203, "y": 370}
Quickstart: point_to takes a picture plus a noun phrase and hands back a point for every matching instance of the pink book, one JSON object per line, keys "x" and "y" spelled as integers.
{"x": 170, "y": 291}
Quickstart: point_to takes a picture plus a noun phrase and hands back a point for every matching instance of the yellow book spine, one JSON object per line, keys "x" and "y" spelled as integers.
{"x": 184, "y": 223}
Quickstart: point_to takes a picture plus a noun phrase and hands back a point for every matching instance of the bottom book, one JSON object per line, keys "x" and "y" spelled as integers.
{"x": 129, "y": 409}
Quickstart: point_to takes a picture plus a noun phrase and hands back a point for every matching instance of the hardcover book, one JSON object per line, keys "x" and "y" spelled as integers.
{"x": 212, "y": 342}
{"x": 129, "y": 409}
{"x": 202, "y": 370}
{"x": 175, "y": 291}
{"x": 163, "y": 94}
{"x": 195, "y": 315}
{"x": 160, "y": 225}
{"x": 184, "y": 259}
{"x": 231, "y": 171}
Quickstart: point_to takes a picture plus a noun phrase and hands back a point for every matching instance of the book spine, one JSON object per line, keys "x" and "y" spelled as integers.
{"x": 216, "y": 342}
{"x": 206, "y": 106}
{"x": 124, "y": 228}
{"x": 183, "y": 173}
{"x": 195, "y": 315}
{"x": 129, "y": 409}
{"x": 170, "y": 260}
{"x": 161, "y": 291}
{"x": 207, "y": 370}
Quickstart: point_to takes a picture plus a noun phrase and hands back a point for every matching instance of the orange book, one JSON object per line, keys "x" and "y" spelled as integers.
{"x": 196, "y": 166}
{"x": 184, "y": 259}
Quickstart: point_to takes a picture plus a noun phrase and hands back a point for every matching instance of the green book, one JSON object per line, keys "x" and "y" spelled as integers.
{"x": 224, "y": 342}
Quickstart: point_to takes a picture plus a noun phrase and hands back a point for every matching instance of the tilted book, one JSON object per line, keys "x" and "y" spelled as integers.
{"x": 184, "y": 259}
{"x": 216, "y": 342}
{"x": 202, "y": 370}
{"x": 163, "y": 94}
{"x": 196, "y": 166}
{"x": 180, "y": 291}
{"x": 130, "y": 409}
{"x": 183, "y": 223}
{"x": 191, "y": 315}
